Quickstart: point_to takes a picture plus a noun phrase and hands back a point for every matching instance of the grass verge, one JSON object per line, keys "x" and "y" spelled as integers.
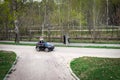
{"x": 6, "y": 60}
{"x": 93, "y": 68}
{"x": 13, "y": 43}
{"x": 28, "y": 44}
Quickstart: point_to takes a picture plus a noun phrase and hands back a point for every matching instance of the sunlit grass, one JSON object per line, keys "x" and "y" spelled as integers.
{"x": 93, "y": 68}
{"x": 6, "y": 60}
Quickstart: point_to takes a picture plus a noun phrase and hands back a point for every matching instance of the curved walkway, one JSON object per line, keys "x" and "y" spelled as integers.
{"x": 33, "y": 65}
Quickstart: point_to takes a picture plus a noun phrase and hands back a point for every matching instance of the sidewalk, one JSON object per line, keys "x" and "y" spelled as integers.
{"x": 72, "y": 44}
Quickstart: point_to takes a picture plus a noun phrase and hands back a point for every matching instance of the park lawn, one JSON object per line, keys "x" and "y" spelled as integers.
{"x": 6, "y": 60}
{"x": 93, "y": 68}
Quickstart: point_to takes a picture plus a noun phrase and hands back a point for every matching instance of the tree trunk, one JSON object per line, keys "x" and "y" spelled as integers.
{"x": 17, "y": 37}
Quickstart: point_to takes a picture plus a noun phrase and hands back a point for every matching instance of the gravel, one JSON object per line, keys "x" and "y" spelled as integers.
{"x": 33, "y": 65}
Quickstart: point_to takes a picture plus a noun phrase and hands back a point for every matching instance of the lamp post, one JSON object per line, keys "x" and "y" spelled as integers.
{"x": 59, "y": 22}
{"x": 42, "y": 25}
{"x": 45, "y": 17}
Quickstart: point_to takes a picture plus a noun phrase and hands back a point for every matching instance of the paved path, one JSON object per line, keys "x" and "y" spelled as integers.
{"x": 33, "y": 65}
{"x": 73, "y": 44}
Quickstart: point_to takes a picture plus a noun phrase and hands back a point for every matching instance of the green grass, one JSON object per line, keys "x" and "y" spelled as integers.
{"x": 13, "y": 43}
{"x": 93, "y": 68}
{"x": 27, "y": 44}
{"x": 6, "y": 60}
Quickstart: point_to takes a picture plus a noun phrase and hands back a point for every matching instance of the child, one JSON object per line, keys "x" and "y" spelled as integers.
{"x": 41, "y": 40}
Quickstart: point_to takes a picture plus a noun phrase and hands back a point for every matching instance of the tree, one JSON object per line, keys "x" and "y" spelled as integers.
{"x": 6, "y": 18}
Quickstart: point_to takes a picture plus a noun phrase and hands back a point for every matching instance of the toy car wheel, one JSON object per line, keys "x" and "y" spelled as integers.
{"x": 51, "y": 49}
{"x": 46, "y": 50}
{"x": 37, "y": 49}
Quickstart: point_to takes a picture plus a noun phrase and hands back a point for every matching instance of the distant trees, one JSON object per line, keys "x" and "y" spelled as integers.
{"x": 6, "y": 18}
{"x": 65, "y": 15}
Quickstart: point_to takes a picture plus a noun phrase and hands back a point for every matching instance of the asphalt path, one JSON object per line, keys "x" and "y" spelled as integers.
{"x": 71, "y": 44}
{"x": 33, "y": 65}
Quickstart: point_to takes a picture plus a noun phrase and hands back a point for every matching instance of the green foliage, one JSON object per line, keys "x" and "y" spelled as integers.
{"x": 92, "y": 68}
{"x": 78, "y": 10}
{"x": 5, "y": 15}
{"x": 60, "y": 14}
{"x": 6, "y": 60}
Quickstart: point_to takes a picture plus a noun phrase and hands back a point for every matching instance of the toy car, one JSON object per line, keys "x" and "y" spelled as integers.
{"x": 44, "y": 46}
